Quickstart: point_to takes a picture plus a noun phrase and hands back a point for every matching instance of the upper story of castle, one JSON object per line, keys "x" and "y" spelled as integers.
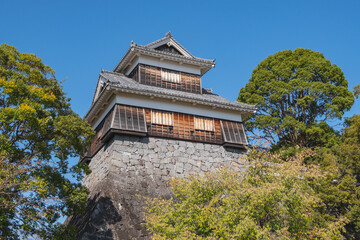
{"x": 164, "y": 63}
{"x": 156, "y": 90}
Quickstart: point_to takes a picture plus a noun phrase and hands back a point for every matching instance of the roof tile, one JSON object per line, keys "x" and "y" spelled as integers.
{"x": 121, "y": 81}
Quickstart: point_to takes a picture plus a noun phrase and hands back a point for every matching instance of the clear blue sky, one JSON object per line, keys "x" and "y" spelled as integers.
{"x": 78, "y": 38}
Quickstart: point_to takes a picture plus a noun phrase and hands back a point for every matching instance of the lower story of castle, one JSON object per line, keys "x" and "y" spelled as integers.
{"x": 129, "y": 167}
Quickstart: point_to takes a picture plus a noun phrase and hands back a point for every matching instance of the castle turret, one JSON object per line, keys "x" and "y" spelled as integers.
{"x": 154, "y": 121}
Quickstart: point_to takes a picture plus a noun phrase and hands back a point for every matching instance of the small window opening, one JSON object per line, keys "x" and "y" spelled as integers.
{"x": 162, "y": 118}
{"x": 204, "y": 124}
{"x": 170, "y": 76}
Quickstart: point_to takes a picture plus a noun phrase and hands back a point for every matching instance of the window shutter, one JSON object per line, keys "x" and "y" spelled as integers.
{"x": 170, "y": 76}
{"x": 204, "y": 124}
{"x": 233, "y": 132}
{"x": 125, "y": 118}
{"x": 162, "y": 118}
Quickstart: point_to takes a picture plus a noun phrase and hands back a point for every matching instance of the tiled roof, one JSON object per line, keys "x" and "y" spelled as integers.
{"x": 168, "y": 36}
{"x": 122, "y": 82}
{"x": 150, "y": 50}
{"x": 174, "y": 55}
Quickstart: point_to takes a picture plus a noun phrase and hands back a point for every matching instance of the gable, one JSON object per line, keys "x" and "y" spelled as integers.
{"x": 169, "y": 49}
{"x": 99, "y": 87}
{"x": 170, "y": 45}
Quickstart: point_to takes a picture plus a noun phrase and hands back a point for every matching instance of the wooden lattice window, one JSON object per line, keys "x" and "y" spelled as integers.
{"x": 125, "y": 119}
{"x": 233, "y": 132}
{"x": 165, "y": 78}
{"x": 204, "y": 124}
{"x": 170, "y": 76}
{"x": 162, "y": 118}
{"x": 129, "y": 118}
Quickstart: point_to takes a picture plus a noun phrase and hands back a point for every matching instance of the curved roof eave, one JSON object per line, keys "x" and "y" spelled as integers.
{"x": 208, "y": 64}
{"x": 106, "y": 95}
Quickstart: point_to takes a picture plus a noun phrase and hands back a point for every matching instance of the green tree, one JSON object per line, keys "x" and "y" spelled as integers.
{"x": 38, "y": 133}
{"x": 347, "y": 185}
{"x": 357, "y": 91}
{"x": 268, "y": 201}
{"x": 296, "y": 92}
{"x": 340, "y": 190}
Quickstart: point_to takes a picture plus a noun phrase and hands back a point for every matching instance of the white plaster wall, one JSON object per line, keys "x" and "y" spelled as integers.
{"x": 168, "y": 105}
{"x": 152, "y": 61}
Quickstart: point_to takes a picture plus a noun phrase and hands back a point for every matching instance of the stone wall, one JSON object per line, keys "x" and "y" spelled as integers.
{"x": 128, "y": 167}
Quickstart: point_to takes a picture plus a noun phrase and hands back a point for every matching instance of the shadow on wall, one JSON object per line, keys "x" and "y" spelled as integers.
{"x": 104, "y": 219}
{"x": 235, "y": 150}
{"x": 97, "y": 219}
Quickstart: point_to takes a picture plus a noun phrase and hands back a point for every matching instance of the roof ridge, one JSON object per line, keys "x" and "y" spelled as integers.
{"x": 182, "y": 47}
{"x": 170, "y": 37}
{"x": 116, "y": 73}
{"x": 175, "y": 55}
{"x": 155, "y": 42}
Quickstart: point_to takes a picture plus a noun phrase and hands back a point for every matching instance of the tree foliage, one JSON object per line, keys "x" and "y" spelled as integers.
{"x": 296, "y": 92}
{"x": 341, "y": 191}
{"x": 269, "y": 201}
{"x": 356, "y": 91}
{"x": 348, "y": 154}
{"x": 38, "y": 133}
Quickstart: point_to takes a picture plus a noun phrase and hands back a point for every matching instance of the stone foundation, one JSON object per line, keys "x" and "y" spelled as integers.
{"x": 129, "y": 167}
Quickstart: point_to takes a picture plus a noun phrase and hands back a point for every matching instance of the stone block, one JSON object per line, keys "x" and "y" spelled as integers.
{"x": 177, "y": 153}
{"x": 125, "y": 159}
{"x": 204, "y": 168}
{"x": 164, "y": 160}
{"x": 179, "y": 167}
{"x": 131, "y": 168}
{"x": 211, "y": 160}
{"x": 207, "y": 147}
{"x": 151, "y": 145}
{"x": 182, "y": 159}
{"x": 154, "y": 157}
{"x": 199, "y": 146}
{"x": 187, "y": 167}
{"x": 172, "y": 172}
{"x": 190, "y": 150}
{"x": 168, "y": 166}
{"x": 157, "y": 171}
{"x": 182, "y": 149}
{"x": 204, "y": 153}
{"x": 192, "y": 162}
{"x": 164, "y": 172}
